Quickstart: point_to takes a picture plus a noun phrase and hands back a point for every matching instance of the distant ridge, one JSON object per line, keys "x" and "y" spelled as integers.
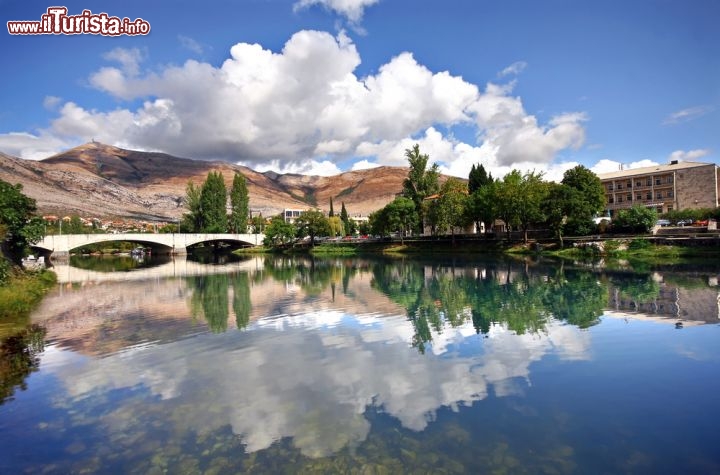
{"x": 100, "y": 180}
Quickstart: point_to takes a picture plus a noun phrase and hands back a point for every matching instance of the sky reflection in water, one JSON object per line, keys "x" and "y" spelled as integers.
{"x": 306, "y": 347}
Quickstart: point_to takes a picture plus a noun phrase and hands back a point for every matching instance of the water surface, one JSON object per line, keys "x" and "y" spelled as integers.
{"x": 369, "y": 366}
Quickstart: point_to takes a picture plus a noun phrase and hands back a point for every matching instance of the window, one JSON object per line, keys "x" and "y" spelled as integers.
{"x": 649, "y": 195}
{"x": 638, "y": 197}
{"x": 629, "y": 184}
{"x": 620, "y": 199}
{"x": 658, "y": 195}
{"x": 657, "y": 181}
{"x": 629, "y": 197}
{"x": 610, "y": 187}
{"x": 619, "y": 186}
{"x": 670, "y": 194}
{"x": 669, "y": 179}
{"x": 611, "y": 200}
{"x": 638, "y": 184}
{"x": 648, "y": 182}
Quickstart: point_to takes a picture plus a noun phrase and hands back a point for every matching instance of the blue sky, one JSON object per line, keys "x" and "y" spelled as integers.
{"x": 323, "y": 86}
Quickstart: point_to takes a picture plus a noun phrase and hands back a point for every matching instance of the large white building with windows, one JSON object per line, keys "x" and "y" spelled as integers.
{"x": 675, "y": 186}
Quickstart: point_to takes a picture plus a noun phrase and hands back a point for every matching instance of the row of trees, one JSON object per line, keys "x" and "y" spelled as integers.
{"x": 520, "y": 200}
{"x": 207, "y": 206}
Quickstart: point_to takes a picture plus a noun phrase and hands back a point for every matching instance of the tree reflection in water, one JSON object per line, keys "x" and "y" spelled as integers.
{"x": 19, "y": 357}
{"x": 496, "y": 293}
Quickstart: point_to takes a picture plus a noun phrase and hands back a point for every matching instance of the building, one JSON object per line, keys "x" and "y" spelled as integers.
{"x": 676, "y": 186}
{"x": 291, "y": 215}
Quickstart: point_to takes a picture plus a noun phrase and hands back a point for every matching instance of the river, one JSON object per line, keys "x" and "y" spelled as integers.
{"x": 350, "y": 365}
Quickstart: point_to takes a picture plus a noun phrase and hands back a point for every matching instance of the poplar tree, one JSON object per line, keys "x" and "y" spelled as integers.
{"x": 332, "y": 211}
{"x": 239, "y": 204}
{"x": 213, "y": 201}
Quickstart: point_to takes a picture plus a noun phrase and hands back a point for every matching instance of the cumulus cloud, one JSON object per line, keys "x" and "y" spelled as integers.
{"x": 682, "y": 155}
{"x": 686, "y": 115}
{"x": 31, "y": 146}
{"x": 304, "y": 108}
{"x": 353, "y": 10}
{"x": 607, "y": 166}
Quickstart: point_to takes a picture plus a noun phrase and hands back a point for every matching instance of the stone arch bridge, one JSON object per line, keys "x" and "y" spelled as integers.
{"x": 176, "y": 243}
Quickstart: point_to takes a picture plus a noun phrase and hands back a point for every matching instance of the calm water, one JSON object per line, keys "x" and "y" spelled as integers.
{"x": 366, "y": 366}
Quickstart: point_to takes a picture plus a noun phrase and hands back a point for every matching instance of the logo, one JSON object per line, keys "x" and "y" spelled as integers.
{"x": 57, "y": 22}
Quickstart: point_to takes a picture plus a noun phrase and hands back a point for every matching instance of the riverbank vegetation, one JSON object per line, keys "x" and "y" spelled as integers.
{"x": 20, "y": 290}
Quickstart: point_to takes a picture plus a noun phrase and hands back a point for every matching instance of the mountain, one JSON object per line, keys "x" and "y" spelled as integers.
{"x": 98, "y": 180}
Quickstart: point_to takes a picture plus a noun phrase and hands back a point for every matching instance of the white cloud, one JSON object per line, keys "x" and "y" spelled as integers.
{"x": 190, "y": 44}
{"x": 364, "y": 165}
{"x": 51, "y": 102}
{"x": 303, "y": 108}
{"x": 353, "y": 10}
{"x": 514, "y": 69}
{"x": 686, "y": 115}
{"x": 690, "y": 155}
{"x": 607, "y": 166}
{"x": 129, "y": 59}
{"x": 308, "y": 167}
{"x": 30, "y": 146}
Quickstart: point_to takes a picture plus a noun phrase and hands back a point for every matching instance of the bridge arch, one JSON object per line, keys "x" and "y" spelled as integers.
{"x": 176, "y": 243}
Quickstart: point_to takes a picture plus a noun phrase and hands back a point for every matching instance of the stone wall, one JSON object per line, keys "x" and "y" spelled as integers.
{"x": 697, "y": 187}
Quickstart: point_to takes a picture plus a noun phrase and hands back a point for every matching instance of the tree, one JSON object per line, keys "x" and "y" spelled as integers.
{"x": 558, "y": 205}
{"x": 279, "y": 232}
{"x": 400, "y": 216}
{"x": 19, "y": 227}
{"x": 638, "y": 219}
{"x": 258, "y": 223}
{"x": 337, "y": 227}
{"x": 213, "y": 201}
{"x": 509, "y": 199}
{"x": 332, "y": 211}
{"x": 482, "y": 205}
{"x": 346, "y": 219}
{"x": 587, "y": 202}
{"x": 192, "y": 221}
{"x": 478, "y": 178}
{"x": 533, "y": 191}
{"x": 451, "y": 206}
{"x": 239, "y": 205}
{"x": 421, "y": 182}
{"x": 312, "y": 223}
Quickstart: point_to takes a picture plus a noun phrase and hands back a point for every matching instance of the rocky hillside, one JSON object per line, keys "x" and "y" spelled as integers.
{"x": 103, "y": 181}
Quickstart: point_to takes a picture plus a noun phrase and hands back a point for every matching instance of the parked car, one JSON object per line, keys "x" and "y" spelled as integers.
{"x": 701, "y": 223}
{"x": 663, "y": 222}
{"x": 685, "y": 222}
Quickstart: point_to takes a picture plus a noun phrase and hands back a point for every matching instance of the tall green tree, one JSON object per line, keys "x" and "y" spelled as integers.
{"x": 451, "y": 206}
{"x": 346, "y": 219}
{"x": 478, "y": 178}
{"x": 400, "y": 216}
{"x": 19, "y": 227}
{"x": 213, "y": 202}
{"x": 588, "y": 199}
{"x": 312, "y": 223}
{"x": 332, "y": 211}
{"x": 421, "y": 181}
{"x": 533, "y": 191}
{"x": 192, "y": 221}
{"x": 509, "y": 199}
{"x": 239, "y": 205}
{"x": 482, "y": 205}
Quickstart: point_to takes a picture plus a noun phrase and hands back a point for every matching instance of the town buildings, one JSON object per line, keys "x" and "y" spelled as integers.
{"x": 675, "y": 186}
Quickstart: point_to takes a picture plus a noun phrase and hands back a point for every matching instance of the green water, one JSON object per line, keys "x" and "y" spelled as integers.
{"x": 293, "y": 365}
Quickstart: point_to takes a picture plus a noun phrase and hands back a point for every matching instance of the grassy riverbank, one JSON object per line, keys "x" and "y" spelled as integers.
{"x": 636, "y": 249}
{"x": 21, "y": 292}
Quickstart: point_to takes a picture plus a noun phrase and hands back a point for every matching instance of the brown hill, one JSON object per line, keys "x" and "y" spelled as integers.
{"x": 103, "y": 181}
